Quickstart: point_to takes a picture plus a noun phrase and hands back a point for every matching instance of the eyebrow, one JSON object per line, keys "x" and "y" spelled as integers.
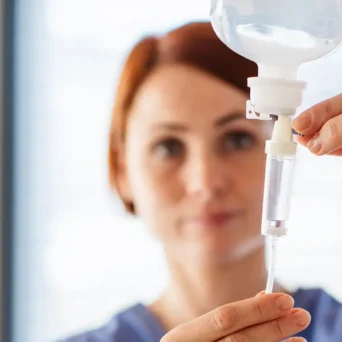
{"x": 221, "y": 121}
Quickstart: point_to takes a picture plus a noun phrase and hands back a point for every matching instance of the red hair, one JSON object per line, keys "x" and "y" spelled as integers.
{"x": 194, "y": 44}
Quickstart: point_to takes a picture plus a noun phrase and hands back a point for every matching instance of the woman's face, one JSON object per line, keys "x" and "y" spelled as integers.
{"x": 194, "y": 165}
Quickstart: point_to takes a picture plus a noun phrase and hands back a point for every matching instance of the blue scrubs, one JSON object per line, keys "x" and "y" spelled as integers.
{"x": 138, "y": 324}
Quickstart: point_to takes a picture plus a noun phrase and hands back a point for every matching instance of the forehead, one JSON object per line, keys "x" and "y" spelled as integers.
{"x": 181, "y": 90}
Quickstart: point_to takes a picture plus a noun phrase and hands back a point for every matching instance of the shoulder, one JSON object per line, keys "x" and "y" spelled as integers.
{"x": 326, "y": 312}
{"x": 134, "y": 324}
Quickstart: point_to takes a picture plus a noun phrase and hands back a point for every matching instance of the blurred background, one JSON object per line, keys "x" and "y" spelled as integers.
{"x": 70, "y": 256}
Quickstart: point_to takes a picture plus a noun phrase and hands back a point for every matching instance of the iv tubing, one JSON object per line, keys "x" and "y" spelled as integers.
{"x": 272, "y": 261}
{"x": 281, "y": 151}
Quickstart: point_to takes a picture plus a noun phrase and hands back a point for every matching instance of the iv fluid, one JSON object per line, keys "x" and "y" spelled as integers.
{"x": 286, "y": 32}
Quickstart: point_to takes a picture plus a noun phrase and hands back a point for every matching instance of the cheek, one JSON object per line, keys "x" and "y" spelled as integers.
{"x": 250, "y": 178}
{"x": 155, "y": 191}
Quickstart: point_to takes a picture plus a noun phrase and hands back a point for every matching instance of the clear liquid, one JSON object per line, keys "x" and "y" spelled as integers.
{"x": 278, "y": 32}
{"x": 277, "y": 194}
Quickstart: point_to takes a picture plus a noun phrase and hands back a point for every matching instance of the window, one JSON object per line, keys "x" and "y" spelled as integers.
{"x": 70, "y": 233}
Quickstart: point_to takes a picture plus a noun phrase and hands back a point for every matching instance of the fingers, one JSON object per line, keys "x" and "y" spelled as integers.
{"x": 327, "y": 141}
{"x": 231, "y": 318}
{"x": 337, "y": 152}
{"x": 296, "y": 339}
{"x": 275, "y": 330}
{"x": 313, "y": 119}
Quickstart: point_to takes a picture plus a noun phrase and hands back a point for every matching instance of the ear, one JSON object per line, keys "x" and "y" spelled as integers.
{"x": 119, "y": 175}
{"x": 123, "y": 185}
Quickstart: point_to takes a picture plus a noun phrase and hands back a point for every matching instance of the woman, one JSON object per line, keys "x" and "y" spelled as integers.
{"x": 184, "y": 158}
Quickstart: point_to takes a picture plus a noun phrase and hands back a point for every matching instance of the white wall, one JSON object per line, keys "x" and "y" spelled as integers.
{"x": 72, "y": 238}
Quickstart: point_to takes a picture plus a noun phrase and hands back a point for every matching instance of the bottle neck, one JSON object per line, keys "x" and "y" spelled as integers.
{"x": 279, "y": 72}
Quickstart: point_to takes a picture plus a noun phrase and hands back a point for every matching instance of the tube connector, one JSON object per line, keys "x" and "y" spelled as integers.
{"x": 281, "y": 143}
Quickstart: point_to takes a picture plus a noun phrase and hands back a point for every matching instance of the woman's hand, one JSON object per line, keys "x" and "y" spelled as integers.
{"x": 321, "y": 126}
{"x": 264, "y": 318}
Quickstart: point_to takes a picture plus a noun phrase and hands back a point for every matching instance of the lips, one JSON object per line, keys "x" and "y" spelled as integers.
{"x": 216, "y": 219}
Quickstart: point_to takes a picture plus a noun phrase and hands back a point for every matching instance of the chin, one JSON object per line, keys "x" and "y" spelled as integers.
{"x": 218, "y": 252}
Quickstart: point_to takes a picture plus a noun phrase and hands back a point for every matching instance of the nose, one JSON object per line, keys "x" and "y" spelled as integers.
{"x": 207, "y": 176}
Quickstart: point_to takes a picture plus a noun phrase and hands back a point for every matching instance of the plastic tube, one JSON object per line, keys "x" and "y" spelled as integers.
{"x": 280, "y": 166}
{"x": 272, "y": 262}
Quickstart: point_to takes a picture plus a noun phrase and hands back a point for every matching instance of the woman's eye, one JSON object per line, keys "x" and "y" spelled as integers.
{"x": 238, "y": 141}
{"x": 169, "y": 148}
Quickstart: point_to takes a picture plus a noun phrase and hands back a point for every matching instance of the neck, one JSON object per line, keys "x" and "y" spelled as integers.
{"x": 194, "y": 291}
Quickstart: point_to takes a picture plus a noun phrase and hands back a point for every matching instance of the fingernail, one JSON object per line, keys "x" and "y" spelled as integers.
{"x": 301, "y": 318}
{"x": 260, "y": 293}
{"x": 295, "y": 133}
{"x": 315, "y": 144}
{"x": 302, "y": 122}
{"x": 284, "y": 302}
